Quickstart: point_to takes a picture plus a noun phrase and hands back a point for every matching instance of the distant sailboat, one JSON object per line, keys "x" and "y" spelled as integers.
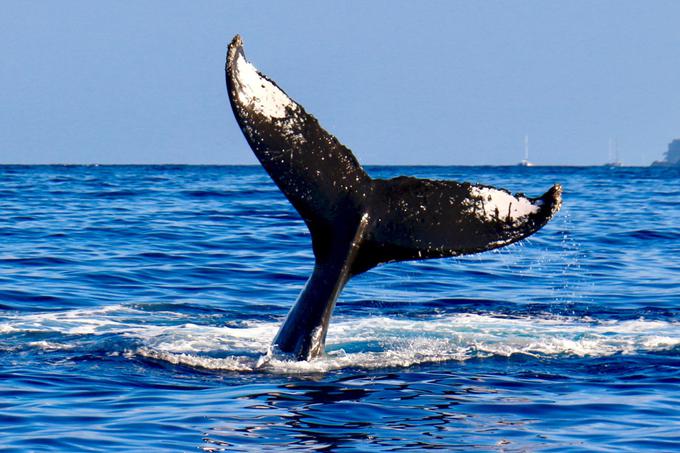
{"x": 525, "y": 162}
{"x": 613, "y": 155}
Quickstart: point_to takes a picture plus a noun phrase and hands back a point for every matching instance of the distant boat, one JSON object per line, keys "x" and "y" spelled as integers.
{"x": 525, "y": 162}
{"x": 613, "y": 155}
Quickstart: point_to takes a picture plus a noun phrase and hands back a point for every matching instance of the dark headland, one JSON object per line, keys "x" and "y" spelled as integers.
{"x": 671, "y": 157}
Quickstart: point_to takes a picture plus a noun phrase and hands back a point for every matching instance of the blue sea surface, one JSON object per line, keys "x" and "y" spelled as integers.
{"x": 136, "y": 301}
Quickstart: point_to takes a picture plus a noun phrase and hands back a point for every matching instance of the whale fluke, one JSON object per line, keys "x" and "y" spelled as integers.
{"x": 357, "y": 222}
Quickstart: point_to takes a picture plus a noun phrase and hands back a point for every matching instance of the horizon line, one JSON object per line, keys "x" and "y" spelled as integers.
{"x": 604, "y": 165}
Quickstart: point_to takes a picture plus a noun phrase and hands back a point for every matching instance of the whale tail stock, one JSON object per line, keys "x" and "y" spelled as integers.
{"x": 357, "y": 222}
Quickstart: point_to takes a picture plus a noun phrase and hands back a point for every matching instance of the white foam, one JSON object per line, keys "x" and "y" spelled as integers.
{"x": 372, "y": 342}
{"x": 71, "y": 322}
{"x": 259, "y": 93}
{"x": 50, "y": 346}
{"x": 499, "y": 204}
{"x": 209, "y": 363}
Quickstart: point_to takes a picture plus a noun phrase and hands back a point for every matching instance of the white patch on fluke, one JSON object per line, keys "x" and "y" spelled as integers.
{"x": 498, "y": 204}
{"x": 259, "y": 93}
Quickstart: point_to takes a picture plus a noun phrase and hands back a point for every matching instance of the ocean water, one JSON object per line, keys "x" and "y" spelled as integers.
{"x": 135, "y": 302}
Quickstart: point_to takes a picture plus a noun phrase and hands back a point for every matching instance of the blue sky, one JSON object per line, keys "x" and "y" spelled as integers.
{"x": 444, "y": 82}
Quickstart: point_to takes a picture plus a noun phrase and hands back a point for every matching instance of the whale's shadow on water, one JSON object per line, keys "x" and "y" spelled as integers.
{"x": 308, "y": 412}
{"x": 487, "y": 404}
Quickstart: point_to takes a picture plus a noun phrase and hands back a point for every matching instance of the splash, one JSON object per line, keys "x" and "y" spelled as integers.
{"x": 368, "y": 343}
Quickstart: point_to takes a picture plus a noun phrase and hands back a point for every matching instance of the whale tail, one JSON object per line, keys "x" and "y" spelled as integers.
{"x": 357, "y": 222}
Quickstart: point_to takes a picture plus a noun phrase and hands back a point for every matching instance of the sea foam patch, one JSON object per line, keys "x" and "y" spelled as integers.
{"x": 374, "y": 342}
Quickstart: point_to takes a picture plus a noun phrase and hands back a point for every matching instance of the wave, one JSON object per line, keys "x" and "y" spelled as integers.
{"x": 369, "y": 343}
